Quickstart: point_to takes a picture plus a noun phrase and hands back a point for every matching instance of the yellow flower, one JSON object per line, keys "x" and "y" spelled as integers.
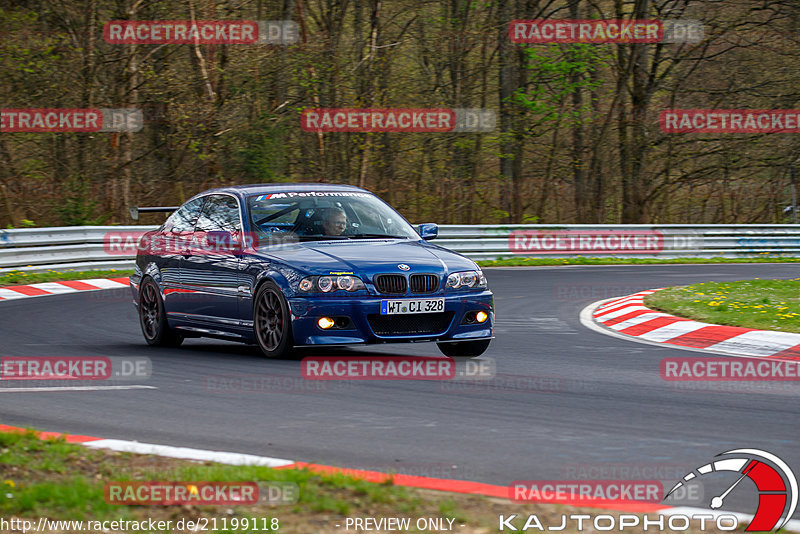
{"x": 9, "y": 483}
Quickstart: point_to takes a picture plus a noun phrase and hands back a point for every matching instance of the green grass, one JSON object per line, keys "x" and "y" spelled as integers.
{"x": 28, "y": 451}
{"x": 13, "y": 278}
{"x": 34, "y": 479}
{"x": 760, "y": 304}
{"x": 585, "y": 260}
{"x": 56, "y": 479}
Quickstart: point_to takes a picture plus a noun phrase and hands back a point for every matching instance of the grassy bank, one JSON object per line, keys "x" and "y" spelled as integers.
{"x": 14, "y": 278}
{"x": 585, "y": 260}
{"x": 57, "y": 480}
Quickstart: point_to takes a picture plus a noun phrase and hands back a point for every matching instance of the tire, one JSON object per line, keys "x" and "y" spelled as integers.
{"x": 464, "y": 349}
{"x": 272, "y": 322}
{"x": 153, "y": 318}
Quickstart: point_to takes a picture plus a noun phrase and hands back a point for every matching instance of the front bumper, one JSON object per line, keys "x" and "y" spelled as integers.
{"x": 306, "y": 311}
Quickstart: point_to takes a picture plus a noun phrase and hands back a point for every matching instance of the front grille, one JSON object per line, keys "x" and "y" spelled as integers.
{"x": 424, "y": 283}
{"x": 391, "y": 284}
{"x": 412, "y": 323}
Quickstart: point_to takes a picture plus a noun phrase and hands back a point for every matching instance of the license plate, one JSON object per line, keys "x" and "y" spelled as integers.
{"x": 395, "y": 307}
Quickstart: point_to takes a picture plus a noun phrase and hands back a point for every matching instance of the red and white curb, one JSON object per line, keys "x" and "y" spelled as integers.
{"x": 627, "y": 317}
{"x": 59, "y": 288}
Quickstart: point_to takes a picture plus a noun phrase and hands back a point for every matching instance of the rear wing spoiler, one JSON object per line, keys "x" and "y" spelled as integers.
{"x": 135, "y": 211}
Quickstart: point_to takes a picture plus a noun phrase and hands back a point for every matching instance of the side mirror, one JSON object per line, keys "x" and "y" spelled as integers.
{"x": 428, "y": 231}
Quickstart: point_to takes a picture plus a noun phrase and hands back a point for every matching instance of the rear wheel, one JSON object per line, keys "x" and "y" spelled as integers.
{"x": 271, "y": 322}
{"x": 464, "y": 349}
{"x": 153, "y": 319}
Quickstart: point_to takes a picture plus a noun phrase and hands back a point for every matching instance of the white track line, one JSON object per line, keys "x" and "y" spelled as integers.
{"x": 71, "y": 388}
{"x": 230, "y": 458}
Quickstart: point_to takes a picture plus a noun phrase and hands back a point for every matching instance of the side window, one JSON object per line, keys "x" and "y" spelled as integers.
{"x": 183, "y": 220}
{"x": 220, "y": 214}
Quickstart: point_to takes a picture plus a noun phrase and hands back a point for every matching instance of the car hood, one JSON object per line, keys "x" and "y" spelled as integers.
{"x": 368, "y": 257}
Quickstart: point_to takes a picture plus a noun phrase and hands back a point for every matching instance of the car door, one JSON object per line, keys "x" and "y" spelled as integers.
{"x": 173, "y": 239}
{"x": 209, "y": 268}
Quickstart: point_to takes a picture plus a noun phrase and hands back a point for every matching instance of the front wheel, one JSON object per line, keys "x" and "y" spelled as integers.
{"x": 153, "y": 319}
{"x": 272, "y": 322}
{"x": 464, "y": 349}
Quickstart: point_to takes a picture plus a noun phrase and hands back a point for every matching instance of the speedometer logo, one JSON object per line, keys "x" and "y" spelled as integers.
{"x": 774, "y": 480}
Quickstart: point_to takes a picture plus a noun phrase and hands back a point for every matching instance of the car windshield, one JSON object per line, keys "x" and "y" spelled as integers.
{"x": 316, "y": 215}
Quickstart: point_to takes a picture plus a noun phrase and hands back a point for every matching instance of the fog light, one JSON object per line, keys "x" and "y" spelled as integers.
{"x": 325, "y": 322}
{"x": 481, "y": 316}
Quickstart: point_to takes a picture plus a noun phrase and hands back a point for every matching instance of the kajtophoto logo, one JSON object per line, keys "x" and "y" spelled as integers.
{"x": 774, "y": 480}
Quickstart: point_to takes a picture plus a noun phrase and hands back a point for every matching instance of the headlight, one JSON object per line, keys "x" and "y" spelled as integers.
{"x": 325, "y": 283}
{"x": 467, "y": 280}
{"x": 454, "y": 280}
{"x": 330, "y": 284}
{"x": 306, "y": 284}
{"x": 345, "y": 282}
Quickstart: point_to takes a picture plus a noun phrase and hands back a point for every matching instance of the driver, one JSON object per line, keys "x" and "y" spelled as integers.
{"x": 335, "y": 222}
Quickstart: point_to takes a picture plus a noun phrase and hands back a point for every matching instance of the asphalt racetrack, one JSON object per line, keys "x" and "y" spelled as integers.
{"x": 566, "y": 402}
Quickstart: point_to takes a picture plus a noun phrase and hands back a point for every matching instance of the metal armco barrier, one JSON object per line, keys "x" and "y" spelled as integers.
{"x": 82, "y": 247}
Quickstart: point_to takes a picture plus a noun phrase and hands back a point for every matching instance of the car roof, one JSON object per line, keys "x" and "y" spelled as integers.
{"x": 254, "y": 189}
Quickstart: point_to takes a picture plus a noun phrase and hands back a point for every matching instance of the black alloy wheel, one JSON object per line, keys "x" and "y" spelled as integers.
{"x": 153, "y": 319}
{"x": 272, "y": 322}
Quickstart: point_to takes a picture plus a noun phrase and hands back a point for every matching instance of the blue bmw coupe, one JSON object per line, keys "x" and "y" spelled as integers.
{"x": 294, "y": 265}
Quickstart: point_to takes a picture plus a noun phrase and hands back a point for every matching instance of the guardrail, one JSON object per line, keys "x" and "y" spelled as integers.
{"x": 84, "y": 247}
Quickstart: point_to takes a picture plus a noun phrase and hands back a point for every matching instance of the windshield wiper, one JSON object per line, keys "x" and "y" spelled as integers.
{"x": 376, "y": 236}
{"x": 321, "y": 237}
